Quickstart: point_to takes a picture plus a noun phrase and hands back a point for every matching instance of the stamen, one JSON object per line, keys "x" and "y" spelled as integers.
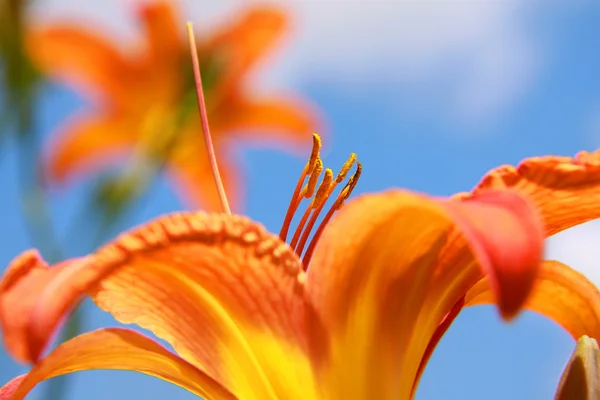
{"x": 345, "y": 193}
{"x": 339, "y": 202}
{"x": 314, "y": 177}
{"x": 204, "y": 121}
{"x": 325, "y": 184}
{"x": 299, "y": 193}
{"x": 322, "y": 200}
{"x": 324, "y": 189}
{"x": 345, "y": 168}
{"x": 312, "y": 170}
{"x": 314, "y": 154}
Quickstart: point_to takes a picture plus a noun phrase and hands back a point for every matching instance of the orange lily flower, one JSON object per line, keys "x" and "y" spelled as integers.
{"x": 355, "y": 315}
{"x": 143, "y": 102}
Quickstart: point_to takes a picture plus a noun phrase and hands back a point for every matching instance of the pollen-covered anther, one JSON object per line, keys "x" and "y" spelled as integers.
{"x": 314, "y": 154}
{"x": 310, "y": 170}
{"x": 313, "y": 170}
{"x": 323, "y": 190}
{"x": 343, "y": 196}
{"x": 346, "y": 168}
{"x": 316, "y": 203}
{"x": 312, "y": 180}
{"x": 347, "y": 190}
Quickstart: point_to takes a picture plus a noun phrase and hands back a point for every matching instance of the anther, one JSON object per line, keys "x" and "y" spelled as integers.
{"x": 316, "y": 202}
{"x": 345, "y": 168}
{"x": 347, "y": 190}
{"x": 314, "y": 154}
{"x": 298, "y": 191}
{"x": 344, "y": 194}
{"x": 313, "y": 169}
{"x": 323, "y": 190}
{"x": 314, "y": 177}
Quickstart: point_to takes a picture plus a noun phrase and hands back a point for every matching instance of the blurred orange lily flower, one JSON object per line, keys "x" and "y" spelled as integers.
{"x": 145, "y": 102}
{"x": 356, "y": 316}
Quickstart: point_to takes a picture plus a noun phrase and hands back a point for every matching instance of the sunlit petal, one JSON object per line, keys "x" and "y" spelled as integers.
{"x": 371, "y": 273}
{"x": 81, "y": 58}
{"x": 162, "y": 31}
{"x": 34, "y": 298}
{"x": 560, "y": 293}
{"x": 225, "y": 293}
{"x": 285, "y": 122}
{"x": 89, "y": 143}
{"x": 566, "y": 190}
{"x": 117, "y": 349}
{"x": 245, "y": 41}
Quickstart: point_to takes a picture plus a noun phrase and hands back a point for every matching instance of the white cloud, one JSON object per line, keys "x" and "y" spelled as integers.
{"x": 579, "y": 247}
{"x": 477, "y": 55}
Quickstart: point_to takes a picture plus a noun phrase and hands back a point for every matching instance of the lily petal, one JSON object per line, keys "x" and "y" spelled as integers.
{"x": 78, "y": 57}
{"x": 225, "y": 293}
{"x": 271, "y": 121}
{"x": 193, "y": 177}
{"x": 87, "y": 144}
{"x": 371, "y": 273}
{"x": 116, "y": 349}
{"x": 245, "y": 41}
{"x": 162, "y": 30}
{"x": 561, "y": 294}
{"x": 506, "y": 228}
{"x": 34, "y": 298}
{"x": 566, "y": 190}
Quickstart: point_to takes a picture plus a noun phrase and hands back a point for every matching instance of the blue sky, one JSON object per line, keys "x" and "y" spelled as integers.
{"x": 431, "y": 95}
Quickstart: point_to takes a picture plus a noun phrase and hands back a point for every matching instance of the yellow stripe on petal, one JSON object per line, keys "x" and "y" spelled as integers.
{"x": 372, "y": 274}
{"x": 288, "y": 369}
{"x": 561, "y": 294}
{"x": 116, "y": 349}
{"x": 206, "y": 283}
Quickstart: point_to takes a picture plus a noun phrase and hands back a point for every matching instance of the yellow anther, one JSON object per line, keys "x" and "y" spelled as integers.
{"x": 322, "y": 191}
{"x": 314, "y": 155}
{"x": 345, "y": 168}
{"x": 347, "y": 190}
{"x": 314, "y": 177}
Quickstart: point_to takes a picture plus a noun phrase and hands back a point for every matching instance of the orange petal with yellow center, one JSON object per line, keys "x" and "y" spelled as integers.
{"x": 276, "y": 121}
{"x": 371, "y": 273}
{"x": 79, "y": 57}
{"x": 116, "y": 349}
{"x": 87, "y": 144}
{"x": 35, "y": 297}
{"x": 566, "y": 190}
{"x": 561, "y": 294}
{"x": 227, "y": 295}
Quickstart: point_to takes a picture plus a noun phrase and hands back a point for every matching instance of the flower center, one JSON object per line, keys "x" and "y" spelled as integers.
{"x": 318, "y": 196}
